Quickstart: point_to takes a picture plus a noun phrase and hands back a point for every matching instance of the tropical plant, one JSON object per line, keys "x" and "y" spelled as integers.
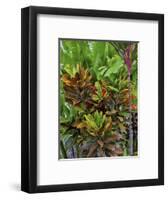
{"x": 98, "y": 99}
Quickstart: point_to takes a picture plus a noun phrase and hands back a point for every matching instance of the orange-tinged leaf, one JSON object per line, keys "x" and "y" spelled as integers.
{"x": 66, "y": 80}
{"x": 133, "y": 97}
{"x": 134, "y": 107}
{"x": 79, "y": 124}
{"x": 108, "y": 124}
{"x": 124, "y": 91}
{"x": 104, "y": 91}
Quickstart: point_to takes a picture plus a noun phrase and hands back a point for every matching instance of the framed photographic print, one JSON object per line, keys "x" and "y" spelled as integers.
{"x": 92, "y": 99}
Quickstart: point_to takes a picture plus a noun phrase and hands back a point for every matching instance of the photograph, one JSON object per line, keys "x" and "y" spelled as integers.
{"x": 92, "y": 99}
{"x": 98, "y": 98}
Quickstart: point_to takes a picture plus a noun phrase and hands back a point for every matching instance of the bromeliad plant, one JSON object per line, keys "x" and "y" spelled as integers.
{"x": 98, "y": 102}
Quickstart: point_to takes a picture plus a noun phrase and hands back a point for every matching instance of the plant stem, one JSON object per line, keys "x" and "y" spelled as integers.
{"x": 130, "y": 145}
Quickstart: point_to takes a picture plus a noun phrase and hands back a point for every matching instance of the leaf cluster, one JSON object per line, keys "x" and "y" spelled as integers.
{"x": 95, "y": 99}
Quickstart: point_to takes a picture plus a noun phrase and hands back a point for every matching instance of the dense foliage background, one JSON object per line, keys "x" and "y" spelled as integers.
{"x": 98, "y": 98}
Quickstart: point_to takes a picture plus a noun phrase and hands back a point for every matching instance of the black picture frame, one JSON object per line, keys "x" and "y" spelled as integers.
{"x": 29, "y": 98}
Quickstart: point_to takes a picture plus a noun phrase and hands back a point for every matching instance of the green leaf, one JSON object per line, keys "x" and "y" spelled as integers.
{"x": 99, "y": 118}
{"x": 114, "y": 65}
{"x": 63, "y": 150}
{"x": 99, "y": 89}
{"x": 90, "y": 121}
{"x": 113, "y": 88}
{"x": 125, "y": 114}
